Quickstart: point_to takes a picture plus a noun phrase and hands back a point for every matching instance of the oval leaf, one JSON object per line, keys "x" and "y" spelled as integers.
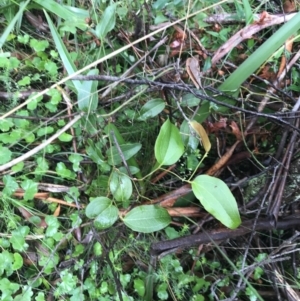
{"x": 106, "y": 218}
{"x": 65, "y": 137}
{"x": 128, "y": 151}
{"x": 96, "y": 206}
{"x": 199, "y": 129}
{"x": 120, "y": 186}
{"x": 107, "y": 22}
{"x": 168, "y": 145}
{"x": 217, "y": 199}
{"x": 151, "y": 109}
{"x": 147, "y": 218}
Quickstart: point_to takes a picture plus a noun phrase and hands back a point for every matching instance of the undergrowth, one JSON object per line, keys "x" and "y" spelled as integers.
{"x": 133, "y": 131}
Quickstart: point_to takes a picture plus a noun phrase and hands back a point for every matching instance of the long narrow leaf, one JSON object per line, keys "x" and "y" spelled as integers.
{"x": 11, "y": 25}
{"x": 63, "y": 52}
{"x": 234, "y": 81}
{"x": 64, "y": 12}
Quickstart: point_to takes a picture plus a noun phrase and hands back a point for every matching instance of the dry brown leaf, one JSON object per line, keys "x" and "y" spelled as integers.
{"x": 57, "y": 211}
{"x": 289, "y": 6}
{"x": 216, "y": 126}
{"x": 193, "y": 70}
{"x": 199, "y": 129}
{"x": 236, "y": 131}
{"x": 288, "y": 47}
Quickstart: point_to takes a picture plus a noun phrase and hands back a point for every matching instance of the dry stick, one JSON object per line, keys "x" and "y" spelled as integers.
{"x": 234, "y": 19}
{"x": 272, "y": 90}
{"x": 41, "y": 146}
{"x": 274, "y": 210}
{"x": 222, "y": 234}
{"x": 248, "y": 32}
{"x": 105, "y": 58}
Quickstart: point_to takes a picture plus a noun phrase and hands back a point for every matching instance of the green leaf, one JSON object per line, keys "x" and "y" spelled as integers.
{"x": 25, "y": 81}
{"x": 18, "y": 261}
{"x": 5, "y": 154}
{"x": 63, "y": 171}
{"x": 128, "y": 150}
{"x": 189, "y": 100}
{"x": 151, "y": 109}
{"x": 139, "y": 286}
{"x": 120, "y": 186}
{"x": 75, "y": 159}
{"x": 8, "y": 288}
{"x": 10, "y": 185}
{"x": 168, "y": 145}
{"x": 25, "y": 295}
{"x": 18, "y": 238}
{"x": 45, "y": 131}
{"x": 12, "y": 23}
{"x": 65, "y": 137}
{"x": 38, "y": 46}
{"x": 53, "y": 225}
{"x": 96, "y": 206}
{"x": 103, "y": 211}
{"x": 6, "y": 124}
{"x": 147, "y": 218}
{"x": 107, "y": 22}
{"x": 62, "y": 50}
{"x": 70, "y": 13}
{"x": 94, "y": 151}
{"x": 87, "y": 95}
{"x": 107, "y": 217}
{"x": 30, "y": 189}
{"x": 217, "y": 199}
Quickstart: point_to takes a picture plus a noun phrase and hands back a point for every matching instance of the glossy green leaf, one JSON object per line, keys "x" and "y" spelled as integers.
{"x": 168, "y": 145}
{"x": 103, "y": 211}
{"x": 120, "y": 186}
{"x": 151, "y": 109}
{"x": 107, "y": 22}
{"x": 106, "y": 218}
{"x": 128, "y": 150}
{"x": 147, "y": 218}
{"x": 217, "y": 199}
{"x": 96, "y": 206}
